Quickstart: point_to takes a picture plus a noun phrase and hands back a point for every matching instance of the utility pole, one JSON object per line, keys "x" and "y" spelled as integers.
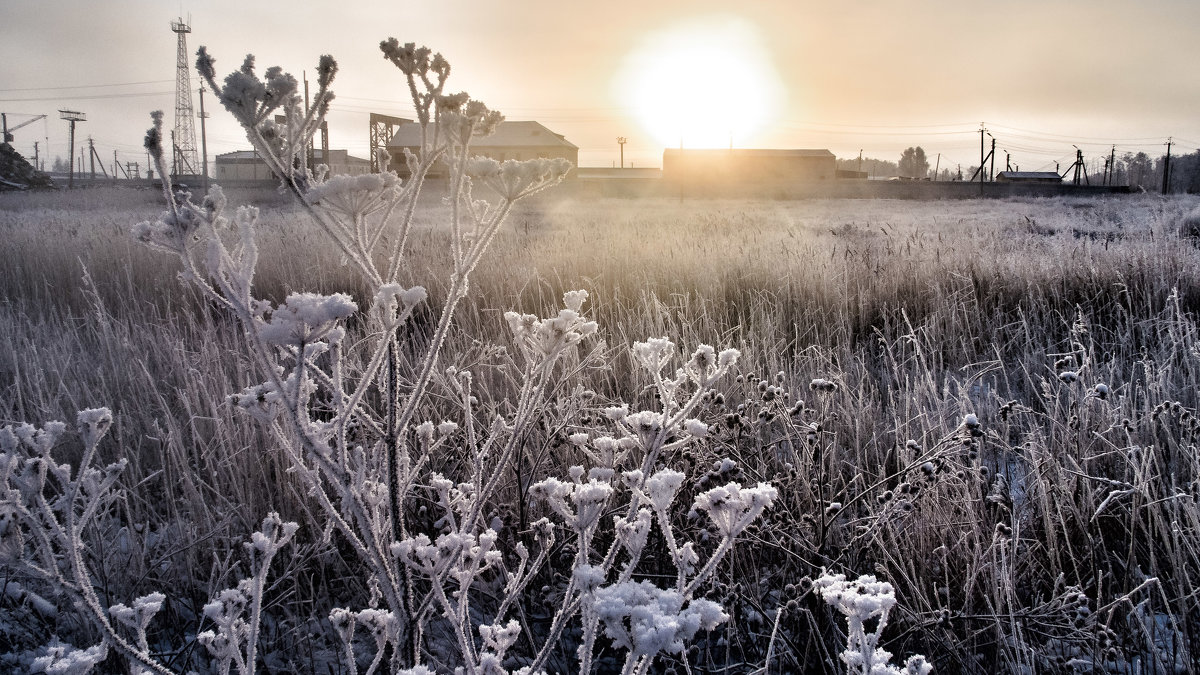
{"x": 982, "y": 131}
{"x": 95, "y": 156}
{"x": 309, "y": 155}
{"x": 72, "y": 116}
{"x": 936, "y": 165}
{"x": 992, "y": 168}
{"x": 860, "y": 161}
{"x": 1079, "y": 166}
{"x": 982, "y": 160}
{"x": 1166, "y": 189}
{"x": 36, "y": 165}
{"x": 203, "y": 139}
{"x": 1007, "y": 161}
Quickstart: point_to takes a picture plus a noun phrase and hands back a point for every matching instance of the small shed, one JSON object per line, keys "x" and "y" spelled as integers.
{"x": 1028, "y": 177}
{"x": 248, "y": 165}
{"x": 517, "y": 140}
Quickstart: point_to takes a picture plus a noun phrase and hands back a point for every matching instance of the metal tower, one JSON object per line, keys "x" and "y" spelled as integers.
{"x": 185, "y": 161}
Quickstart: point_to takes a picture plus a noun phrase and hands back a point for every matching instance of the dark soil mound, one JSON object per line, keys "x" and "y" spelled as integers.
{"x": 18, "y": 174}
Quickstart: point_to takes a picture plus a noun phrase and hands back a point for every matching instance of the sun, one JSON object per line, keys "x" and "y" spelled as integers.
{"x": 707, "y": 83}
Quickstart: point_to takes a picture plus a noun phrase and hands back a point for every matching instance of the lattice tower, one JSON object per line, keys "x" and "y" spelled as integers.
{"x": 185, "y": 159}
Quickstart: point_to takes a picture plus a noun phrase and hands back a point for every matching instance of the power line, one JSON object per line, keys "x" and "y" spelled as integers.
{"x": 1099, "y": 141}
{"x": 87, "y": 86}
{"x": 91, "y": 97}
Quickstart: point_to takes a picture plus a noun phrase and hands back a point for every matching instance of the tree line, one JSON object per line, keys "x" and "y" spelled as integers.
{"x": 1138, "y": 170}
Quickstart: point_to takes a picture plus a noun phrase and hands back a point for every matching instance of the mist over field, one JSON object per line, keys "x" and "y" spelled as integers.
{"x": 868, "y": 331}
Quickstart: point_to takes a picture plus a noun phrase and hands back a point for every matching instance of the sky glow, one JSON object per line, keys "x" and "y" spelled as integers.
{"x": 704, "y": 83}
{"x": 872, "y": 75}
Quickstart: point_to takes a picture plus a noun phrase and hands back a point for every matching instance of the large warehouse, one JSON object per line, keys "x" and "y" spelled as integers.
{"x": 743, "y": 166}
{"x": 512, "y": 140}
{"x": 247, "y": 165}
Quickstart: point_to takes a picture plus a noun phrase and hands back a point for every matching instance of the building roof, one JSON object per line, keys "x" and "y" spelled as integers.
{"x": 253, "y": 154}
{"x": 749, "y": 152}
{"x": 508, "y": 135}
{"x": 1043, "y": 175}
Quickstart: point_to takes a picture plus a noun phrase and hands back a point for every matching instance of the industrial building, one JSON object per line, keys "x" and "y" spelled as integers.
{"x": 247, "y": 165}
{"x": 748, "y": 166}
{"x": 1028, "y": 177}
{"x": 512, "y": 140}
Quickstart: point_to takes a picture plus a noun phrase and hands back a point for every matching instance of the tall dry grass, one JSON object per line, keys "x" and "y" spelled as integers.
{"x": 919, "y": 313}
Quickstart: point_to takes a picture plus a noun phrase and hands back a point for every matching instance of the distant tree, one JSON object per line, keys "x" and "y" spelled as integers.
{"x": 1139, "y": 170}
{"x": 874, "y": 168}
{"x": 1185, "y": 174}
{"x": 60, "y": 165}
{"x": 913, "y": 163}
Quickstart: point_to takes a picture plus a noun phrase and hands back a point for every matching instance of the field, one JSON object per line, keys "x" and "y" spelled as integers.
{"x": 989, "y": 404}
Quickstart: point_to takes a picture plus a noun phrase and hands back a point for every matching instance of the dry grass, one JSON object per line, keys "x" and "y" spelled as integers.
{"x": 920, "y": 312}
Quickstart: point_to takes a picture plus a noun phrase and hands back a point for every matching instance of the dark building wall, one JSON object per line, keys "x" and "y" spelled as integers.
{"x": 501, "y": 154}
{"x": 747, "y": 166}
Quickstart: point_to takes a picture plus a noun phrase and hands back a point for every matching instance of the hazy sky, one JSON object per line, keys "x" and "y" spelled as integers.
{"x": 872, "y": 75}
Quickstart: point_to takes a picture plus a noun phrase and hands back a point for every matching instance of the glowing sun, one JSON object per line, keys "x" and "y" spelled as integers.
{"x": 707, "y": 83}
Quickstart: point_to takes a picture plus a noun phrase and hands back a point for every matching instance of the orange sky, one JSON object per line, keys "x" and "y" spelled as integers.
{"x": 875, "y": 75}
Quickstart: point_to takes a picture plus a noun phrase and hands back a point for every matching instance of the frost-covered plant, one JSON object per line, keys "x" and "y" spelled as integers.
{"x": 341, "y": 398}
{"x": 50, "y": 510}
{"x": 235, "y": 640}
{"x": 360, "y": 462}
{"x": 863, "y": 600}
{"x": 47, "y": 511}
{"x": 643, "y": 618}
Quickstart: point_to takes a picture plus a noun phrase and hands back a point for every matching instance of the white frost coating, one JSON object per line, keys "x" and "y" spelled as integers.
{"x": 862, "y": 600}
{"x": 661, "y": 488}
{"x": 67, "y": 660}
{"x": 541, "y": 341}
{"x": 654, "y": 354}
{"x": 728, "y": 358}
{"x": 513, "y": 179}
{"x": 646, "y": 619}
{"x": 732, "y": 508}
{"x": 353, "y": 196}
{"x": 93, "y": 424}
{"x": 143, "y": 610}
{"x": 306, "y": 317}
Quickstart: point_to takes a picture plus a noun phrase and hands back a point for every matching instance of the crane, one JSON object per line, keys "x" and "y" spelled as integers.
{"x": 7, "y": 130}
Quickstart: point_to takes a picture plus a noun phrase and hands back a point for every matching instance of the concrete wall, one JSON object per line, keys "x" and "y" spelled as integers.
{"x": 715, "y": 167}
{"x": 242, "y": 169}
{"x": 239, "y": 170}
{"x": 831, "y": 189}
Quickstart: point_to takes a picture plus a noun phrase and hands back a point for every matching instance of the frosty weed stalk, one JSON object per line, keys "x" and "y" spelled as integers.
{"x": 335, "y": 402}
